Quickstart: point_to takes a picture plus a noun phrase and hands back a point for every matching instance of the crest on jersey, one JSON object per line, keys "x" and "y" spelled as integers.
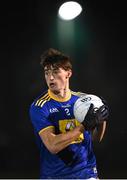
{"x": 68, "y": 125}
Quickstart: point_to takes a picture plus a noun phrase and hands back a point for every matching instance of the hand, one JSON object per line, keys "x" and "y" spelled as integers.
{"x": 94, "y": 118}
{"x": 90, "y": 119}
{"x": 102, "y": 113}
{"x": 105, "y": 110}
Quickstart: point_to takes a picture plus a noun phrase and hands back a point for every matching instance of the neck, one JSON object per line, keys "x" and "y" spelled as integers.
{"x": 61, "y": 95}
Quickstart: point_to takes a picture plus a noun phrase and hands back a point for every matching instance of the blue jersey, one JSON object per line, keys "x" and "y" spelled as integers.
{"x": 47, "y": 111}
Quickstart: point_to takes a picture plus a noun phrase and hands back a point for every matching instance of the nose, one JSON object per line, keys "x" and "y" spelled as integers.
{"x": 51, "y": 77}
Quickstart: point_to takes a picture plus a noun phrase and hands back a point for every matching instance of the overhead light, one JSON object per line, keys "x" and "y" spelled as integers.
{"x": 69, "y": 10}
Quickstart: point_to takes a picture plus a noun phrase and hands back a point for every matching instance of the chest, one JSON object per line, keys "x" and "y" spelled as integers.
{"x": 60, "y": 111}
{"x": 62, "y": 116}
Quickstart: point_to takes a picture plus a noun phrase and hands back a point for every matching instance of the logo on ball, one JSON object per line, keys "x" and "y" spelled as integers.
{"x": 86, "y": 99}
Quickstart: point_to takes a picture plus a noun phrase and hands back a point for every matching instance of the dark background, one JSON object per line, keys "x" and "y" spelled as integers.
{"x": 98, "y": 49}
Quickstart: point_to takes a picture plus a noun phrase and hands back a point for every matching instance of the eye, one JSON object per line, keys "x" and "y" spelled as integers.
{"x": 56, "y": 71}
{"x": 46, "y": 72}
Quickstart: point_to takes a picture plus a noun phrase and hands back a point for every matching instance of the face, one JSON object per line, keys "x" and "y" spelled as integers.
{"x": 56, "y": 78}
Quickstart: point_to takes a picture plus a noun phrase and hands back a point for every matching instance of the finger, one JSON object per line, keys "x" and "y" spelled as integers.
{"x": 91, "y": 108}
{"x": 101, "y": 109}
{"x": 105, "y": 114}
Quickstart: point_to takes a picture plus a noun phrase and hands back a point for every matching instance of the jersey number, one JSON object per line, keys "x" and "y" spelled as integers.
{"x": 67, "y": 111}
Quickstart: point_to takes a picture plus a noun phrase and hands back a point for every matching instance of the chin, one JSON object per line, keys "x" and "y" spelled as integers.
{"x": 55, "y": 91}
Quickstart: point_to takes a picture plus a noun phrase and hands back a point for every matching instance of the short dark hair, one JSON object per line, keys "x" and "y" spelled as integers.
{"x": 55, "y": 58}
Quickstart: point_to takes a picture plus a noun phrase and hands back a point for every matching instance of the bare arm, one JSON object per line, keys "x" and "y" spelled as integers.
{"x": 56, "y": 143}
{"x": 98, "y": 133}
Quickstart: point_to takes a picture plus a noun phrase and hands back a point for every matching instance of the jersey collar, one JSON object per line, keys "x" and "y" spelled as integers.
{"x": 59, "y": 99}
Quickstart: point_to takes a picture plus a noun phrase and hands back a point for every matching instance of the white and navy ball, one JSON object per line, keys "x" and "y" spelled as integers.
{"x": 83, "y": 103}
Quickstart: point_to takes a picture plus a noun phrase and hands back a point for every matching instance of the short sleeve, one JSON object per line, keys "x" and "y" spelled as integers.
{"x": 39, "y": 117}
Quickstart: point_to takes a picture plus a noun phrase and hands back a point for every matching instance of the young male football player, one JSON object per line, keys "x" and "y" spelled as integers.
{"x": 66, "y": 150}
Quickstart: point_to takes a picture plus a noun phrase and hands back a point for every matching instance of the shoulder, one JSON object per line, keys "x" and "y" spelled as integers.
{"x": 40, "y": 101}
{"x": 38, "y": 110}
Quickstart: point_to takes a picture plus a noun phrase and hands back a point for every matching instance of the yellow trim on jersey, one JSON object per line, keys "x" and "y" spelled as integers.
{"x": 53, "y": 96}
{"x": 37, "y": 103}
{"x": 45, "y": 129}
{"x": 40, "y": 102}
{"x": 44, "y": 101}
{"x": 79, "y": 94}
{"x": 43, "y": 96}
{"x": 76, "y": 93}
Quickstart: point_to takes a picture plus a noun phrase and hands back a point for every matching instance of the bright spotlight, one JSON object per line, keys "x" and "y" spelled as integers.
{"x": 69, "y": 10}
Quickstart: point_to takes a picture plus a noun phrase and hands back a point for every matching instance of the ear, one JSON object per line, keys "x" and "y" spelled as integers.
{"x": 69, "y": 73}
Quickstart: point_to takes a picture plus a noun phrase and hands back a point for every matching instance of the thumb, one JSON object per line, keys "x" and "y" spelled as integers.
{"x": 91, "y": 108}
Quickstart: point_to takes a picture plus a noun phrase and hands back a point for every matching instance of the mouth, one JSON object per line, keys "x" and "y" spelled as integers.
{"x": 52, "y": 84}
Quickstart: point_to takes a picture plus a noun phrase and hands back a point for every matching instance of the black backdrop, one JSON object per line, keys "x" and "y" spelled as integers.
{"x": 99, "y": 65}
